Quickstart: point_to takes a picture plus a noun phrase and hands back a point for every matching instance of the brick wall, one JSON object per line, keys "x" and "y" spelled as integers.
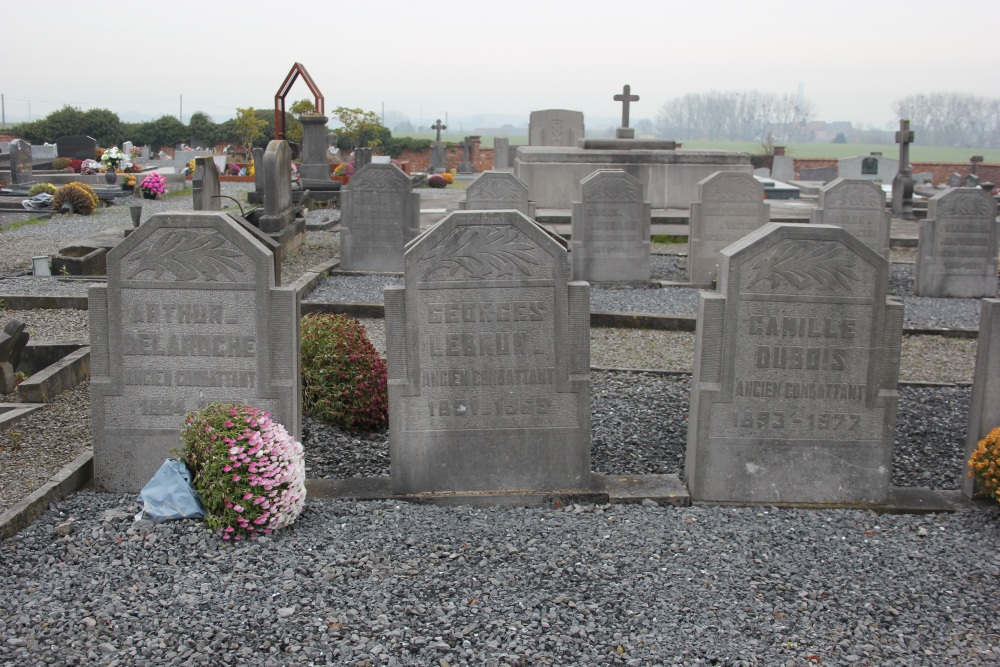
{"x": 941, "y": 170}
{"x": 481, "y": 158}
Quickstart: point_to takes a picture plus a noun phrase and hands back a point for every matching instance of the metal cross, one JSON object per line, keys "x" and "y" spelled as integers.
{"x": 438, "y": 126}
{"x": 625, "y": 98}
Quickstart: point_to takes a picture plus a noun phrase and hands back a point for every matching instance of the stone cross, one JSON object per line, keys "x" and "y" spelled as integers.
{"x": 438, "y": 126}
{"x": 902, "y": 182}
{"x": 904, "y": 138}
{"x": 626, "y": 98}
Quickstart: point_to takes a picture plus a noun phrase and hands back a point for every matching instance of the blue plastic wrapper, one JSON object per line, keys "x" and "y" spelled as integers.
{"x": 168, "y": 495}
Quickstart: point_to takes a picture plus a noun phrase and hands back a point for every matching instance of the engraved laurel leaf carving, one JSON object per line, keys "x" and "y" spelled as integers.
{"x": 483, "y": 252}
{"x": 804, "y": 263}
{"x": 613, "y": 189}
{"x": 731, "y": 189}
{"x": 855, "y": 197}
{"x": 188, "y": 255}
{"x": 380, "y": 179}
{"x": 966, "y": 205}
{"x": 491, "y": 188}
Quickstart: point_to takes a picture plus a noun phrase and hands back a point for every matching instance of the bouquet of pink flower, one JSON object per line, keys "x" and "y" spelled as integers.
{"x": 344, "y": 169}
{"x": 153, "y": 185}
{"x": 249, "y": 472}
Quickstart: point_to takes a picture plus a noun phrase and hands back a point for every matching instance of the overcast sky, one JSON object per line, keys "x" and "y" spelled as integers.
{"x": 465, "y": 58}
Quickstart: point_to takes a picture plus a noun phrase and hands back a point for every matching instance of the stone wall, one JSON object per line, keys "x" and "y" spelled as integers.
{"x": 941, "y": 170}
{"x": 481, "y": 158}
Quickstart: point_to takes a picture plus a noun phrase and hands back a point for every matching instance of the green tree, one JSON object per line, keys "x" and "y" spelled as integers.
{"x": 841, "y": 138}
{"x": 35, "y": 132}
{"x": 66, "y": 121}
{"x": 302, "y": 106}
{"x": 360, "y": 128}
{"x": 249, "y": 128}
{"x": 103, "y": 125}
{"x": 203, "y": 128}
{"x": 164, "y": 131}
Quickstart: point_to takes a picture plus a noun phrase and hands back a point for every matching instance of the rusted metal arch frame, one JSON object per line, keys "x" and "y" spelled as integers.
{"x": 298, "y": 69}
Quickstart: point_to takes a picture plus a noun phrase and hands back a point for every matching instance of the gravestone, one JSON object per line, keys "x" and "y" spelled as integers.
{"x": 783, "y": 168}
{"x": 489, "y": 361}
{"x": 205, "y": 186}
{"x": 495, "y": 190}
{"x": 972, "y": 181}
{"x": 362, "y": 157}
{"x": 315, "y": 169}
{"x": 731, "y": 205}
{"x": 258, "y": 170}
{"x": 279, "y": 210}
{"x": 439, "y": 160}
{"x": 77, "y": 147}
{"x": 626, "y": 98}
{"x": 821, "y": 174}
{"x": 902, "y": 183}
{"x": 20, "y": 162}
{"x": 611, "y": 229}
{"x": 189, "y": 316}
{"x": 555, "y": 127}
{"x": 857, "y": 205}
{"x": 13, "y": 338}
{"x": 984, "y": 409}
{"x": 955, "y": 180}
{"x": 957, "y": 246}
{"x": 467, "y": 167}
{"x": 793, "y": 397}
{"x": 501, "y": 154}
{"x": 381, "y": 214}
{"x": 868, "y": 167}
{"x": 922, "y": 177}
{"x": 127, "y": 147}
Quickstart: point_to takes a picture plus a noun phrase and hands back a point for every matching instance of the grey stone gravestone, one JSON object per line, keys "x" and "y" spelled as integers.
{"x": 763, "y": 172}
{"x": 381, "y": 214}
{"x": 439, "y": 160}
{"x": 868, "y": 167}
{"x": 279, "y": 210}
{"x": 467, "y": 167}
{"x": 258, "y": 169}
{"x": 857, "y": 205}
{"x": 127, "y": 147}
{"x": 362, "y": 157}
{"x": 43, "y": 153}
{"x": 189, "y": 316}
{"x": 489, "y": 361}
{"x": 731, "y": 205}
{"x": 902, "y": 183}
{"x": 971, "y": 181}
{"x": 20, "y": 162}
{"x": 501, "y": 154}
{"x": 793, "y": 397}
{"x": 495, "y": 190}
{"x": 955, "y": 180}
{"x": 205, "y": 186}
{"x": 984, "y": 408}
{"x": 555, "y": 127}
{"x": 783, "y": 168}
{"x": 611, "y": 229}
{"x": 77, "y": 147}
{"x": 315, "y": 169}
{"x": 13, "y": 338}
{"x": 821, "y": 174}
{"x": 626, "y": 98}
{"x": 957, "y": 246}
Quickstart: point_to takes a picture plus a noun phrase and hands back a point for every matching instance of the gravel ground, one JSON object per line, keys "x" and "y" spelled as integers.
{"x": 386, "y": 583}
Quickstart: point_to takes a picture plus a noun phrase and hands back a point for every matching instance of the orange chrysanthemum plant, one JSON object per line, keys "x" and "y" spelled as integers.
{"x": 985, "y": 464}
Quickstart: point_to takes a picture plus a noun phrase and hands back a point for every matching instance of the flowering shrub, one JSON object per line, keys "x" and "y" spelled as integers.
{"x": 344, "y": 169}
{"x": 343, "y": 378}
{"x": 233, "y": 169}
{"x": 113, "y": 159}
{"x": 135, "y": 152}
{"x": 90, "y": 167}
{"x": 448, "y": 178}
{"x": 190, "y": 166}
{"x": 154, "y": 185}
{"x": 76, "y": 165}
{"x": 437, "y": 181}
{"x": 128, "y": 182}
{"x": 81, "y": 197}
{"x": 985, "y": 464}
{"x": 42, "y": 187}
{"x": 249, "y": 472}
{"x": 61, "y": 163}
{"x": 250, "y": 169}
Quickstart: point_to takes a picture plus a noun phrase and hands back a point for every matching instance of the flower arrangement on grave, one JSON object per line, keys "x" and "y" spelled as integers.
{"x": 190, "y": 166}
{"x": 344, "y": 169}
{"x": 135, "y": 152}
{"x": 61, "y": 163}
{"x": 448, "y": 178}
{"x": 38, "y": 188}
{"x": 81, "y": 199}
{"x": 153, "y": 186}
{"x": 90, "y": 167}
{"x": 437, "y": 181}
{"x": 128, "y": 182}
{"x": 250, "y": 169}
{"x": 985, "y": 464}
{"x": 249, "y": 472}
{"x": 343, "y": 378}
{"x": 113, "y": 159}
{"x": 76, "y": 165}
{"x": 233, "y": 169}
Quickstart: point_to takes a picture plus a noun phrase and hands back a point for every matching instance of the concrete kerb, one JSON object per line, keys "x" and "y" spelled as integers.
{"x": 73, "y": 477}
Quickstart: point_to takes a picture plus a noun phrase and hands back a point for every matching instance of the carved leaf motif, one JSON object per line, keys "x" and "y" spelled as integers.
{"x": 854, "y": 197}
{"x": 380, "y": 179}
{"x": 497, "y": 189}
{"x": 188, "y": 255}
{"x": 804, "y": 263}
{"x": 613, "y": 189}
{"x": 482, "y": 252}
{"x": 731, "y": 189}
{"x": 970, "y": 205}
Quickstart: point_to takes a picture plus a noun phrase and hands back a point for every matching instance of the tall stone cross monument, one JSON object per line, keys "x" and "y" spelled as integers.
{"x": 439, "y": 161}
{"x": 902, "y": 182}
{"x": 626, "y": 98}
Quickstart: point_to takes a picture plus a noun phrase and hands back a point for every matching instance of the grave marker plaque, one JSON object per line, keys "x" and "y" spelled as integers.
{"x": 957, "y": 247}
{"x": 190, "y": 316}
{"x": 858, "y": 206}
{"x": 77, "y": 147}
{"x": 731, "y": 206}
{"x": 611, "y": 229}
{"x": 20, "y": 162}
{"x": 489, "y": 360}
{"x": 381, "y": 214}
{"x": 796, "y": 364}
{"x": 205, "y": 186}
{"x": 496, "y": 190}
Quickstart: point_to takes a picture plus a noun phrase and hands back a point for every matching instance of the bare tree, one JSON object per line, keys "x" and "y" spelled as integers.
{"x": 736, "y": 116}
{"x": 952, "y": 119}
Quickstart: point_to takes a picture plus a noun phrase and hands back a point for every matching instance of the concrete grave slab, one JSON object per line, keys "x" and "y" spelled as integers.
{"x": 190, "y": 316}
{"x": 380, "y": 215}
{"x": 857, "y": 205}
{"x": 796, "y": 364}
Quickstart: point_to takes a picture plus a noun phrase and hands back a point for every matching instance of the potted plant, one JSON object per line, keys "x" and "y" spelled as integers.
{"x": 343, "y": 172}
{"x": 153, "y": 186}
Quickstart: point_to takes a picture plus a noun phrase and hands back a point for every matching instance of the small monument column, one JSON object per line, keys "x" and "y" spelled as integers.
{"x": 439, "y": 161}
{"x": 466, "y": 167}
{"x": 626, "y": 98}
{"x": 902, "y": 182}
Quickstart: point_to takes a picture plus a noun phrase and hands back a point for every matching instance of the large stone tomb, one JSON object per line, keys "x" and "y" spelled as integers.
{"x": 793, "y": 397}
{"x": 381, "y": 214}
{"x": 497, "y": 190}
{"x": 857, "y": 205}
{"x": 957, "y": 247}
{"x": 555, "y": 127}
{"x": 488, "y": 351}
{"x": 611, "y": 230}
{"x": 190, "y": 316}
{"x": 731, "y": 205}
